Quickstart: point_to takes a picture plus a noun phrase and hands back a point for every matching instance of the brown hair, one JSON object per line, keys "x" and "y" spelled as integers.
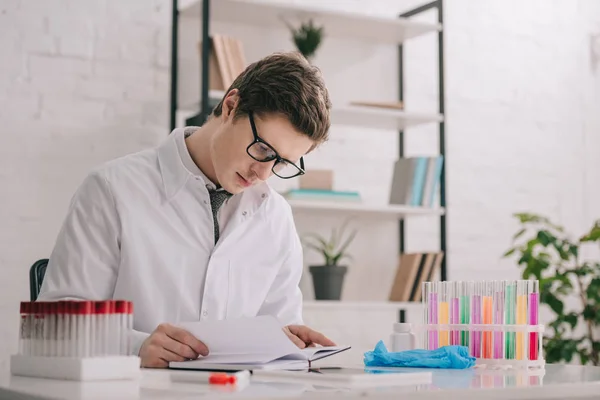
{"x": 285, "y": 83}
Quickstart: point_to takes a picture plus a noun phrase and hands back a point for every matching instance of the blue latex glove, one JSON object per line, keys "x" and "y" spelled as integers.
{"x": 454, "y": 357}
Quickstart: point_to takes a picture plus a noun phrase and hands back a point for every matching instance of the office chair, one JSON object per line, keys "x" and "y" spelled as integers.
{"x": 36, "y": 276}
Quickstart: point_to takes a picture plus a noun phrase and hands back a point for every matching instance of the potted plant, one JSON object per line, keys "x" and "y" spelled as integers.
{"x": 307, "y": 38}
{"x": 328, "y": 278}
{"x": 550, "y": 255}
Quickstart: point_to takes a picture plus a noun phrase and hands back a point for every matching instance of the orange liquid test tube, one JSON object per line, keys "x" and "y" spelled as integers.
{"x": 487, "y": 319}
{"x": 444, "y": 313}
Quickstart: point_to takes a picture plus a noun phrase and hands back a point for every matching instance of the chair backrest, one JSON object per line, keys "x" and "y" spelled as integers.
{"x": 36, "y": 276}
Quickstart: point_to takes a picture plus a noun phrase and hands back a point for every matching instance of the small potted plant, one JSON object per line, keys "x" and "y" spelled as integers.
{"x": 328, "y": 278}
{"x": 307, "y": 38}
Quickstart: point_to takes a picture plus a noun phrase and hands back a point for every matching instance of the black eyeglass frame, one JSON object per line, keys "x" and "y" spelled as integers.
{"x": 277, "y": 157}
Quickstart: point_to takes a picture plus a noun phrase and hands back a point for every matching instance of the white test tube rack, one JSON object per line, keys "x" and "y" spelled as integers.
{"x": 511, "y": 359}
{"x": 76, "y": 340}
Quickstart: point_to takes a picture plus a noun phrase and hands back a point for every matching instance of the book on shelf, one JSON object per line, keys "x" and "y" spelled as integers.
{"x": 226, "y": 61}
{"x": 414, "y": 269}
{"x": 322, "y": 195}
{"x": 392, "y": 105}
{"x": 415, "y": 180}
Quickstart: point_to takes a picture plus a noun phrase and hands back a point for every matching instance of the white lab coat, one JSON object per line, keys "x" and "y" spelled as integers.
{"x": 140, "y": 228}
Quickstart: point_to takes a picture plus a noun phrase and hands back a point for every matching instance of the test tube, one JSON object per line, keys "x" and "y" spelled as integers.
{"x": 455, "y": 312}
{"x": 37, "y": 328}
{"x": 509, "y": 318}
{"x": 129, "y": 327}
{"x": 443, "y": 313}
{"x": 84, "y": 316}
{"x": 521, "y": 319}
{"x": 476, "y": 320}
{"x": 23, "y": 327}
{"x": 121, "y": 331}
{"x": 465, "y": 312}
{"x": 487, "y": 311}
{"x": 52, "y": 339}
{"x": 432, "y": 314}
{"x": 72, "y": 314}
{"x": 498, "y": 319}
{"x": 534, "y": 301}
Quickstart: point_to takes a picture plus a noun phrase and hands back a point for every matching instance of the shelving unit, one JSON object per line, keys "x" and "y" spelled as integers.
{"x": 368, "y": 210}
{"x": 374, "y": 29}
{"x": 339, "y": 24}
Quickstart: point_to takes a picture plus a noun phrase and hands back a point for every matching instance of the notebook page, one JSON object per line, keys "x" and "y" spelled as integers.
{"x": 261, "y": 336}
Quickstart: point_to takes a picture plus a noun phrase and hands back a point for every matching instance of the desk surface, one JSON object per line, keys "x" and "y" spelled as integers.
{"x": 555, "y": 382}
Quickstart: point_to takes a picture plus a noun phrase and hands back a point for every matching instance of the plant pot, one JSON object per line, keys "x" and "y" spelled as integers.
{"x": 328, "y": 281}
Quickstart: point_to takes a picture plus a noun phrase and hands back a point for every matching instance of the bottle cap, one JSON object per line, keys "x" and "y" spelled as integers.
{"x": 101, "y": 307}
{"x": 84, "y": 307}
{"x": 402, "y": 327}
{"x": 61, "y": 307}
{"x": 130, "y": 307}
{"x": 221, "y": 379}
{"x": 112, "y": 306}
{"x": 121, "y": 307}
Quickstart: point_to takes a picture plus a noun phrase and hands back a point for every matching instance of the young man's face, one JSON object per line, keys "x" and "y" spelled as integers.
{"x": 236, "y": 170}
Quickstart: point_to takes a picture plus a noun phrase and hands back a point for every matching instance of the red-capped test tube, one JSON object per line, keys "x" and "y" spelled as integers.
{"x": 101, "y": 330}
{"x": 84, "y": 316}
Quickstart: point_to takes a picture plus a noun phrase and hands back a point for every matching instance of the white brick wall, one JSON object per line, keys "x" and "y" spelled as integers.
{"x": 79, "y": 84}
{"x": 84, "y": 82}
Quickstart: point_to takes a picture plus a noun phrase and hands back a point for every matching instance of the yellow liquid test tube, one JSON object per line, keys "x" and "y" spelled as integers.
{"x": 521, "y": 319}
{"x": 444, "y": 339}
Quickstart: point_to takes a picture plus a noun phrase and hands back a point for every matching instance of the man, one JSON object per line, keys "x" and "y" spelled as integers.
{"x": 190, "y": 230}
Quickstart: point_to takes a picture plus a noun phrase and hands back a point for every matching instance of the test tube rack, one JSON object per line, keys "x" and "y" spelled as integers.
{"x": 76, "y": 340}
{"x": 76, "y": 368}
{"x": 529, "y": 358}
{"x": 496, "y": 320}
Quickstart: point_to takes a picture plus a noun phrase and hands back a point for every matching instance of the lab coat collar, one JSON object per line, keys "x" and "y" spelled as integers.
{"x": 175, "y": 174}
{"x": 173, "y": 171}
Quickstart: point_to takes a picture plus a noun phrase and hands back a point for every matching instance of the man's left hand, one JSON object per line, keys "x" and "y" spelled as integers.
{"x": 303, "y": 336}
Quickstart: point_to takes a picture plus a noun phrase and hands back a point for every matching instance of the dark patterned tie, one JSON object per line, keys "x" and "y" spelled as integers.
{"x": 217, "y": 198}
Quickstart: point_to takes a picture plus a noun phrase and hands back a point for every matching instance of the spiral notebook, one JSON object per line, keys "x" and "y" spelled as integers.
{"x": 250, "y": 343}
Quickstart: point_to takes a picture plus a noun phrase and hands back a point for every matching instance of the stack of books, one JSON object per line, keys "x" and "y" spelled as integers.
{"x": 416, "y": 181}
{"x": 322, "y": 195}
{"x": 412, "y": 271}
{"x": 227, "y": 61}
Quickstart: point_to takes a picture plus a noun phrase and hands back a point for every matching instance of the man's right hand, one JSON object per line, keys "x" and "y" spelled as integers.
{"x": 170, "y": 343}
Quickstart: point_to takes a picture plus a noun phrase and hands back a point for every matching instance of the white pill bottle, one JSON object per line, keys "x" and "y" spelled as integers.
{"x": 402, "y": 338}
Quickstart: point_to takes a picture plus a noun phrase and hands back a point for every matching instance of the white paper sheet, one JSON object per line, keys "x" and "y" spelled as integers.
{"x": 261, "y": 336}
{"x": 254, "y": 340}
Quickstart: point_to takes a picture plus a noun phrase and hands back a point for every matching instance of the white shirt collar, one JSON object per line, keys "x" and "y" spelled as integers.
{"x": 177, "y": 166}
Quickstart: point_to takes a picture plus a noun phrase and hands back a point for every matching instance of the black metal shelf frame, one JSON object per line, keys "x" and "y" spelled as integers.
{"x": 205, "y": 106}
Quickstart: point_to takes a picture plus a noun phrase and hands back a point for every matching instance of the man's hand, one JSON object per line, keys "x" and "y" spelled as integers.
{"x": 170, "y": 343}
{"x": 303, "y": 336}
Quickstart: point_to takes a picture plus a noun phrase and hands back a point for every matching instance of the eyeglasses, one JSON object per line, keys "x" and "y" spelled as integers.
{"x": 262, "y": 151}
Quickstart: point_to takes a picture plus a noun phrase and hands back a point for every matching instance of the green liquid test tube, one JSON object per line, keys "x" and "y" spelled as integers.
{"x": 509, "y": 308}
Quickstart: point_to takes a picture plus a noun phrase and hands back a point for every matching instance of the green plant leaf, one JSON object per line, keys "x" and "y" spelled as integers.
{"x": 593, "y": 235}
{"x": 589, "y": 312}
{"x": 593, "y": 290}
{"x": 519, "y": 233}
{"x": 552, "y": 301}
{"x": 553, "y": 349}
{"x": 509, "y": 252}
{"x": 545, "y": 237}
{"x": 572, "y": 319}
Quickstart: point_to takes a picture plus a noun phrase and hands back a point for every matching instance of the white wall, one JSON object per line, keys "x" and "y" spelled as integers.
{"x": 84, "y": 82}
{"x": 80, "y": 83}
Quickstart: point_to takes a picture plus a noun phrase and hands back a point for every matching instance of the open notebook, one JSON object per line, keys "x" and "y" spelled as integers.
{"x": 250, "y": 343}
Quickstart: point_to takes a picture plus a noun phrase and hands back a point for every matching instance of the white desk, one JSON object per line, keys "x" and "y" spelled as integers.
{"x": 557, "y": 382}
